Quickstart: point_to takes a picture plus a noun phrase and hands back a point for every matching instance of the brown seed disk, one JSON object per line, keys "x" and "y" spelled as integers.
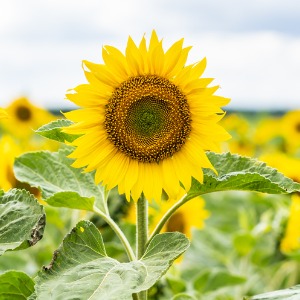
{"x": 148, "y": 118}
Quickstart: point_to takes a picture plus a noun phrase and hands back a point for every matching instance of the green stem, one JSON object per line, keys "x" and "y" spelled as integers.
{"x": 141, "y": 233}
{"x": 167, "y": 216}
{"x": 105, "y": 195}
{"x": 114, "y": 226}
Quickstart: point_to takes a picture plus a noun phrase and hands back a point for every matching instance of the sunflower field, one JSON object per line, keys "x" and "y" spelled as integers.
{"x": 148, "y": 190}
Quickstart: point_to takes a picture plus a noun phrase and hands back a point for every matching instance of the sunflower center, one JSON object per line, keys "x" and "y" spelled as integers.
{"x": 23, "y": 113}
{"x": 298, "y": 127}
{"x": 148, "y": 118}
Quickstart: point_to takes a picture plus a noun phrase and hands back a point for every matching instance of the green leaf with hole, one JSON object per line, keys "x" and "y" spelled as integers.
{"x": 292, "y": 293}
{"x": 61, "y": 184}
{"x": 53, "y": 131}
{"x": 81, "y": 267}
{"x": 15, "y": 285}
{"x": 241, "y": 173}
{"x": 22, "y": 220}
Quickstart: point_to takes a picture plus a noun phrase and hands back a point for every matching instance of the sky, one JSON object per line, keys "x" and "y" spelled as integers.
{"x": 252, "y": 47}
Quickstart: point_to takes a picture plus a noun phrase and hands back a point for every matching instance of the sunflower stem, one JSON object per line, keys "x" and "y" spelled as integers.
{"x": 114, "y": 226}
{"x": 141, "y": 233}
{"x": 167, "y": 216}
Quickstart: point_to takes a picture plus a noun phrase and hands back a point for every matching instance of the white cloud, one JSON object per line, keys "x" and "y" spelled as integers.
{"x": 43, "y": 43}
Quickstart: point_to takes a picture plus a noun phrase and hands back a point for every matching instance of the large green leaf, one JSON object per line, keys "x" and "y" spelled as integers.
{"x": 236, "y": 172}
{"x": 15, "y": 285}
{"x": 22, "y": 220}
{"x": 292, "y": 293}
{"x": 61, "y": 184}
{"x": 81, "y": 267}
{"x": 53, "y": 131}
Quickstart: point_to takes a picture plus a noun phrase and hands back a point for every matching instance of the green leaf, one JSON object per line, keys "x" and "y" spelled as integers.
{"x": 177, "y": 285}
{"x": 292, "y": 293}
{"x": 236, "y": 172}
{"x": 81, "y": 267}
{"x": 211, "y": 280}
{"x": 183, "y": 296}
{"x": 22, "y": 220}
{"x": 15, "y": 285}
{"x": 61, "y": 184}
{"x": 53, "y": 131}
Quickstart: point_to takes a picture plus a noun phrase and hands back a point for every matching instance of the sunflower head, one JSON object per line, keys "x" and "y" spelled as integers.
{"x": 146, "y": 119}
{"x": 24, "y": 117}
{"x": 3, "y": 114}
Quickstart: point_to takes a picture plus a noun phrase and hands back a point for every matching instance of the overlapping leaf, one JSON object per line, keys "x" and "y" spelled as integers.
{"x": 53, "y": 131}
{"x": 22, "y": 220}
{"x": 15, "y": 285}
{"x": 236, "y": 172}
{"x": 81, "y": 267}
{"x": 61, "y": 184}
{"x": 292, "y": 293}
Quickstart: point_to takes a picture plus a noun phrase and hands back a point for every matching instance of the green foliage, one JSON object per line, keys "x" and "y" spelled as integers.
{"x": 233, "y": 256}
{"x": 213, "y": 280}
{"x": 15, "y": 286}
{"x": 240, "y": 173}
{"x": 292, "y": 293}
{"x": 81, "y": 267}
{"x": 22, "y": 220}
{"x": 61, "y": 184}
{"x": 183, "y": 296}
{"x": 53, "y": 131}
{"x": 237, "y": 252}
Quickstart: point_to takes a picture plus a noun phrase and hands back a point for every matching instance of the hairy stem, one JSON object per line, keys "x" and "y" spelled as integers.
{"x": 141, "y": 233}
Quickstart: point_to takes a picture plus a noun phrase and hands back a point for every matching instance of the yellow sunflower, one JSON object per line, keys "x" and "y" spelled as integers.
{"x": 9, "y": 149}
{"x": 291, "y": 239}
{"x": 190, "y": 215}
{"x": 290, "y": 130}
{"x": 24, "y": 117}
{"x": 3, "y": 114}
{"x": 146, "y": 119}
{"x": 240, "y": 130}
{"x": 284, "y": 163}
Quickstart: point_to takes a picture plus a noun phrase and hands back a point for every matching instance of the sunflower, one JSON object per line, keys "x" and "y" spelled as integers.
{"x": 190, "y": 215}
{"x": 287, "y": 164}
{"x": 3, "y": 114}
{"x": 291, "y": 239}
{"x": 290, "y": 130}
{"x": 241, "y": 141}
{"x": 9, "y": 149}
{"x": 24, "y": 117}
{"x": 146, "y": 119}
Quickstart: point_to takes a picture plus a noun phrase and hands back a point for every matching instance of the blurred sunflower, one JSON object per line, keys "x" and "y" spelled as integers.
{"x": 9, "y": 149}
{"x": 291, "y": 239}
{"x": 290, "y": 130}
{"x": 190, "y": 215}
{"x": 267, "y": 129}
{"x": 239, "y": 128}
{"x": 146, "y": 120}
{"x": 3, "y": 113}
{"x": 24, "y": 117}
{"x": 284, "y": 163}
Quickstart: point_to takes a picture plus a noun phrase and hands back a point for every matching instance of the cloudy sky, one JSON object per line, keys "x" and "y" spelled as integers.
{"x": 252, "y": 47}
